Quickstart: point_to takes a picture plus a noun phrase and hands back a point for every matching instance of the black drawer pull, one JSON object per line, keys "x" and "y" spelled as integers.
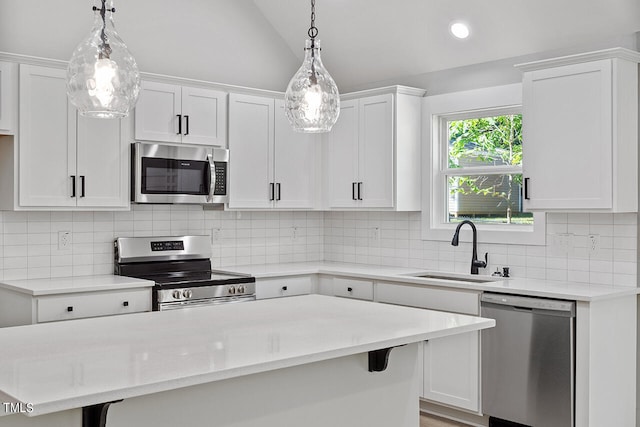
{"x": 70, "y": 308}
{"x": 349, "y": 289}
{"x": 125, "y": 304}
{"x": 526, "y": 188}
{"x": 284, "y": 288}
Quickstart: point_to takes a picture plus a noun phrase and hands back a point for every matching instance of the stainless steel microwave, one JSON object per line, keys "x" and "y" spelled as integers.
{"x": 181, "y": 173}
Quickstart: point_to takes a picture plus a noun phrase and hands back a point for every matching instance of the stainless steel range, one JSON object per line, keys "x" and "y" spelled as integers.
{"x": 181, "y": 269}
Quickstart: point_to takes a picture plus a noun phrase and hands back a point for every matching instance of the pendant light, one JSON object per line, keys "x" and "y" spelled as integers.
{"x": 102, "y": 78}
{"x": 312, "y": 101}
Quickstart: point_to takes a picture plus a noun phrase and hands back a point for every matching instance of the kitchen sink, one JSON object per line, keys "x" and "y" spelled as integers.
{"x": 454, "y": 277}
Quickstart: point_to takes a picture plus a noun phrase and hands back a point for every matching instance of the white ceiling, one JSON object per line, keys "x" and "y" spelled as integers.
{"x": 378, "y": 40}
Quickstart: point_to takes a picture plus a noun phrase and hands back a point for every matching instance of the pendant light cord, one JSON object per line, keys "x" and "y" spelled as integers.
{"x": 313, "y": 31}
{"x": 105, "y": 49}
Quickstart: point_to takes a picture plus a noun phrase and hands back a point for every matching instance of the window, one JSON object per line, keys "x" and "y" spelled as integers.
{"x": 475, "y": 158}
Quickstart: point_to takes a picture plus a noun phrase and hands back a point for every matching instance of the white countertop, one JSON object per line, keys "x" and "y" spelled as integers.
{"x": 521, "y": 286}
{"x": 65, "y": 285}
{"x": 64, "y": 365}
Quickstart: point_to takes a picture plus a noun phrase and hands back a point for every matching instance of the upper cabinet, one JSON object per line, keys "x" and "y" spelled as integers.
{"x": 271, "y": 165}
{"x": 173, "y": 113}
{"x": 580, "y": 132}
{"x": 66, "y": 160}
{"x": 8, "y": 97}
{"x": 373, "y": 151}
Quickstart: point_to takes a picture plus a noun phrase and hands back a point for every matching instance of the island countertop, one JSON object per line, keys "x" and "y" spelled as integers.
{"x": 65, "y": 365}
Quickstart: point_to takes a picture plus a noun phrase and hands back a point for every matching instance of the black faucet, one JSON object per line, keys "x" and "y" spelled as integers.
{"x": 475, "y": 262}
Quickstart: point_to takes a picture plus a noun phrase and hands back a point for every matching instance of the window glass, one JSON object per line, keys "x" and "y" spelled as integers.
{"x": 483, "y": 170}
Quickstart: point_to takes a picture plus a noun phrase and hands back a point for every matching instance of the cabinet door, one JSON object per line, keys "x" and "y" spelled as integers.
{"x": 8, "y": 97}
{"x": 343, "y": 157}
{"x": 251, "y": 144}
{"x": 452, "y": 370}
{"x": 157, "y": 111}
{"x": 567, "y": 119}
{"x": 103, "y": 167}
{"x": 295, "y": 164}
{"x": 204, "y": 114}
{"x": 47, "y": 145}
{"x": 376, "y": 159}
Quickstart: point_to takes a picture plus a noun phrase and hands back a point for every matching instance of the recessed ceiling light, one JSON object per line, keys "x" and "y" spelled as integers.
{"x": 459, "y": 30}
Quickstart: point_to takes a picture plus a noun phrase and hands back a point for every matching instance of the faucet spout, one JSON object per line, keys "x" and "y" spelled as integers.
{"x": 475, "y": 262}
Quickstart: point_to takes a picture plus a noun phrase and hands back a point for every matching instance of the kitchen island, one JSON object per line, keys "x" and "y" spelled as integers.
{"x": 312, "y": 360}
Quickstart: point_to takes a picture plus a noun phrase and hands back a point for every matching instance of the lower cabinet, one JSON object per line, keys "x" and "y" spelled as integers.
{"x": 17, "y": 308}
{"x": 451, "y": 365}
{"x": 284, "y": 287}
{"x": 347, "y": 288}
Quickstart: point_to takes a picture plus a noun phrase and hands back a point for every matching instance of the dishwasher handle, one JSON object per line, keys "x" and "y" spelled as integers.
{"x": 530, "y": 303}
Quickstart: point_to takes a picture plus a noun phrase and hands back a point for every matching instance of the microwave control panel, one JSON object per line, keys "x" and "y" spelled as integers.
{"x": 220, "y": 187}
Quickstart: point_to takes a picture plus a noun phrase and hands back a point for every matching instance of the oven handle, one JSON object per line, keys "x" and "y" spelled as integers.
{"x": 212, "y": 177}
{"x": 204, "y": 302}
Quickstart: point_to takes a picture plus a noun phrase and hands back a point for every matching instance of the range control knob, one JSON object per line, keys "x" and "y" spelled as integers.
{"x": 176, "y": 294}
{"x": 232, "y": 290}
{"x": 240, "y": 289}
{"x": 188, "y": 293}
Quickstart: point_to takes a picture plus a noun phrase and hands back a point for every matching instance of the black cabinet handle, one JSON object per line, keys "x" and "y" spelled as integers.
{"x": 284, "y": 288}
{"x": 349, "y": 289}
{"x": 73, "y": 186}
{"x": 526, "y": 188}
{"x": 70, "y": 308}
{"x": 82, "y": 185}
{"x": 359, "y": 191}
{"x": 179, "y": 124}
{"x": 186, "y": 118}
{"x": 272, "y": 191}
{"x": 278, "y": 191}
{"x": 125, "y": 304}
{"x": 353, "y": 191}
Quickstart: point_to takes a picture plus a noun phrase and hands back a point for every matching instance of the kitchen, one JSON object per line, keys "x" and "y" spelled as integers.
{"x": 30, "y": 239}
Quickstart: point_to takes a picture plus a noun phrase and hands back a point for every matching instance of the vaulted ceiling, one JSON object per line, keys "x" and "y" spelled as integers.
{"x": 378, "y": 40}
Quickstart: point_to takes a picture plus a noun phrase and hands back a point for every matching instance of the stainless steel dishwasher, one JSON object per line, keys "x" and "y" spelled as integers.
{"x": 528, "y": 361}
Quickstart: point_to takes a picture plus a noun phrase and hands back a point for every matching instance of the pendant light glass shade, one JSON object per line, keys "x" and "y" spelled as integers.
{"x": 312, "y": 101}
{"x": 102, "y": 78}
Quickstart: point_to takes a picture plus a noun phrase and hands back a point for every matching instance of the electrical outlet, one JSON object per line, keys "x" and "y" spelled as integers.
{"x": 216, "y": 234}
{"x": 375, "y": 233}
{"x": 593, "y": 242}
{"x": 294, "y": 234}
{"x": 64, "y": 240}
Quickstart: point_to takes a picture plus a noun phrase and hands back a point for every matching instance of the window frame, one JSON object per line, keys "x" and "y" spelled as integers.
{"x": 439, "y": 109}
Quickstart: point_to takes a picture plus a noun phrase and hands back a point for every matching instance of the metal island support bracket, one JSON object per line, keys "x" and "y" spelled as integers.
{"x": 379, "y": 359}
{"x": 96, "y": 415}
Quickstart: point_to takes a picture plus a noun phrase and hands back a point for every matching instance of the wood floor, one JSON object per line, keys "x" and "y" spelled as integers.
{"x": 433, "y": 421}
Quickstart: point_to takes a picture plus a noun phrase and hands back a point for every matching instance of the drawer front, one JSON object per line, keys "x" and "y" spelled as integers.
{"x": 464, "y": 302}
{"x": 283, "y": 287}
{"x": 92, "y": 304}
{"x": 351, "y": 288}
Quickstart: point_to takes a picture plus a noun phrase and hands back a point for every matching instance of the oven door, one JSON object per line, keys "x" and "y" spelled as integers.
{"x": 179, "y": 174}
{"x": 202, "y": 302}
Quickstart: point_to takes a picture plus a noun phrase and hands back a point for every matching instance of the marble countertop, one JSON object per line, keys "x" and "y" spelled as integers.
{"x": 65, "y": 365}
{"x": 521, "y": 286}
{"x": 65, "y": 285}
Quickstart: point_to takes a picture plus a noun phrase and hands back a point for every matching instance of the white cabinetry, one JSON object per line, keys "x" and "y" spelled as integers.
{"x": 284, "y": 287}
{"x": 346, "y": 287}
{"x": 580, "y": 118}
{"x": 66, "y": 160}
{"x": 23, "y": 309}
{"x": 271, "y": 166}
{"x": 373, "y": 151}
{"x": 451, "y": 369}
{"x": 174, "y": 113}
{"x": 8, "y": 97}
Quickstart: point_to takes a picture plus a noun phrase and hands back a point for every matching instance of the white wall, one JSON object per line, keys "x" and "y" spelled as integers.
{"x": 225, "y": 41}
